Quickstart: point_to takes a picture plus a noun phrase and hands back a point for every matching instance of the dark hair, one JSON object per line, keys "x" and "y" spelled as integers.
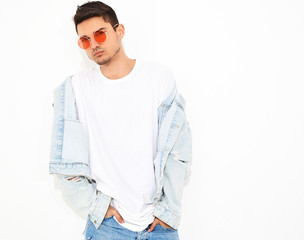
{"x": 95, "y": 9}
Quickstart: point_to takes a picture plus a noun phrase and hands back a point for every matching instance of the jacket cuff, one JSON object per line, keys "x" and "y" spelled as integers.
{"x": 99, "y": 208}
{"x": 69, "y": 169}
{"x": 166, "y": 215}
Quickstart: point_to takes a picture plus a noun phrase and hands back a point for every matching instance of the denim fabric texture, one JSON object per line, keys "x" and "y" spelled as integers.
{"x": 110, "y": 229}
{"x": 69, "y": 157}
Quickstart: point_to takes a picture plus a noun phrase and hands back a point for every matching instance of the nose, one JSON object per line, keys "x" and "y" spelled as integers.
{"x": 94, "y": 43}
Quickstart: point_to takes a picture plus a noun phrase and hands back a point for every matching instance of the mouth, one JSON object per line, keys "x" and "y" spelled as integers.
{"x": 99, "y": 53}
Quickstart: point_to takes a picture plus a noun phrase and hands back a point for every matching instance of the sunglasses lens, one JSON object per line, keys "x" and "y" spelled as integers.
{"x": 100, "y": 36}
{"x": 84, "y": 43}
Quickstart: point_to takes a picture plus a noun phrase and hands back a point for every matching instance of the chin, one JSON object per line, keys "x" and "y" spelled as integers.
{"x": 103, "y": 61}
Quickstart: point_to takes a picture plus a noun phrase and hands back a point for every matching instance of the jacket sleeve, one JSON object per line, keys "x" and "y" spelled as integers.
{"x": 177, "y": 172}
{"x": 79, "y": 194}
{"x": 69, "y": 158}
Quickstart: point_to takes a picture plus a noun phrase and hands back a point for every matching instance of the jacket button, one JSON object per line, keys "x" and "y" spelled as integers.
{"x": 95, "y": 221}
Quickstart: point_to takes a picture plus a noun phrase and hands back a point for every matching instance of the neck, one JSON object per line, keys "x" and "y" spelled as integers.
{"x": 119, "y": 66}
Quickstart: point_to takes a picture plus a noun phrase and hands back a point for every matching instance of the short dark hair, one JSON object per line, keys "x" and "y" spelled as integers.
{"x": 95, "y": 9}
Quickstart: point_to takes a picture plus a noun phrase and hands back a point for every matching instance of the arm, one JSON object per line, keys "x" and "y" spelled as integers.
{"x": 78, "y": 193}
{"x": 69, "y": 159}
{"x": 176, "y": 176}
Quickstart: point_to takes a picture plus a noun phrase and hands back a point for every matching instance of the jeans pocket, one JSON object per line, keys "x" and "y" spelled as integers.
{"x": 166, "y": 228}
{"x": 108, "y": 217}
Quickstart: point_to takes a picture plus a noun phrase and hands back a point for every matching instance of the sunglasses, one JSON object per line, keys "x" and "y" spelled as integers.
{"x": 99, "y": 36}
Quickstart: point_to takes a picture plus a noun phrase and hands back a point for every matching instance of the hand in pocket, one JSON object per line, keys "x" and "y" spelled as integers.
{"x": 113, "y": 212}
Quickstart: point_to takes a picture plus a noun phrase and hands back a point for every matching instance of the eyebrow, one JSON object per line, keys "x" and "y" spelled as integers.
{"x": 93, "y": 32}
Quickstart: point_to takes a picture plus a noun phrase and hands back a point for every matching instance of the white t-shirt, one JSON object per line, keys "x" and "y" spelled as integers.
{"x": 121, "y": 119}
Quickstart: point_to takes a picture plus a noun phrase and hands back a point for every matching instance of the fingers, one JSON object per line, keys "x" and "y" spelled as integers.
{"x": 118, "y": 216}
{"x": 113, "y": 212}
{"x": 164, "y": 224}
{"x": 155, "y": 222}
{"x": 151, "y": 228}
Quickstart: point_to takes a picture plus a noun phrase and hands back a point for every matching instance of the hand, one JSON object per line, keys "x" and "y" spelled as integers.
{"x": 112, "y": 211}
{"x": 155, "y": 222}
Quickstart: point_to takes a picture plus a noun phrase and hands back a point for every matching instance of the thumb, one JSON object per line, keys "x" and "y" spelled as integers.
{"x": 151, "y": 228}
{"x": 118, "y": 217}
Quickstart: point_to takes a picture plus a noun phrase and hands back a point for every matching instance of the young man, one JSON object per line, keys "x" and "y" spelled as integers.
{"x": 121, "y": 144}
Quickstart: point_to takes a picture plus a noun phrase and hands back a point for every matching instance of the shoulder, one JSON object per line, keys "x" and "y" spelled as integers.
{"x": 156, "y": 67}
{"x": 162, "y": 79}
{"x": 161, "y": 73}
{"x": 76, "y": 78}
{"x": 84, "y": 78}
{"x": 83, "y": 74}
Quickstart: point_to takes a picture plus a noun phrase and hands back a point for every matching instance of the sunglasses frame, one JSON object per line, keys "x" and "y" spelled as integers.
{"x": 105, "y": 32}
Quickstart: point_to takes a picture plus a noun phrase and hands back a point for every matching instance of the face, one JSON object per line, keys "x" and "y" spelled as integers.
{"x": 101, "y": 53}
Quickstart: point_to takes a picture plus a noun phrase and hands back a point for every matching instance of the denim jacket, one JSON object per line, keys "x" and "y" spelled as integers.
{"x": 69, "y": 156}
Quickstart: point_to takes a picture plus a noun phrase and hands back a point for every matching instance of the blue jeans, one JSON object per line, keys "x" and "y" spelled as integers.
{"x": 110, "y": 229}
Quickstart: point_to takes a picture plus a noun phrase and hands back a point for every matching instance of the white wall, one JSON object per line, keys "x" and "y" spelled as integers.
{"x": 239, "y": 65}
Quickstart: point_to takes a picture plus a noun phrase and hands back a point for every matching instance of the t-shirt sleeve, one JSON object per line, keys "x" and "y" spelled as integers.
{"x": 168, "y": 84}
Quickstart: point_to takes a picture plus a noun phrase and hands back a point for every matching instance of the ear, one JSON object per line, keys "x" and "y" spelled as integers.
{"x": 120, "y": 30}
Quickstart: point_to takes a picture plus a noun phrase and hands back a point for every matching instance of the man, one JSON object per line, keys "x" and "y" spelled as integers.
{"x": 121, "y": 145}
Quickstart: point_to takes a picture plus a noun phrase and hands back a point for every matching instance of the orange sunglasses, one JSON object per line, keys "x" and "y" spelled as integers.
{"x": 99, "y": 36}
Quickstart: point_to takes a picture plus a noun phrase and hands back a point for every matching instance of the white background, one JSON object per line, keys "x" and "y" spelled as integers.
{"x": 238, "y": 64}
